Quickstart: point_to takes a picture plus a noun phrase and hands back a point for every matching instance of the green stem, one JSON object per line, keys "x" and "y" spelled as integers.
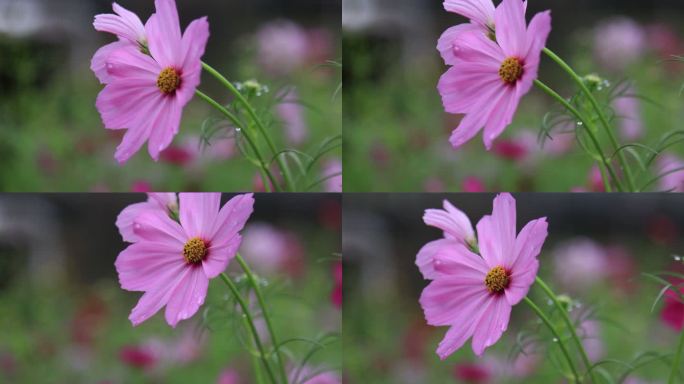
{"x": 258, "y": 375}
{"x": 677, "y": 359}
{"x": 257, "y": 121}
{"x": 263, "y": 168}
{"x": 599, "y": 111}
{"x": 262, "y": 303}
{"x": 250, "y": 322}
{"x": 558, "y": 337}
{"x": 569, "y": 324}
{"x": 588, "y": 128}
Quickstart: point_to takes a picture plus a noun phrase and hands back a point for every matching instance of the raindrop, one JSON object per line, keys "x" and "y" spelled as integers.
{"x": 579, "y": 123}
{"x": 555, "y": 340}
{"x": 678, "y": 258}
{"x": 549, "y": 302}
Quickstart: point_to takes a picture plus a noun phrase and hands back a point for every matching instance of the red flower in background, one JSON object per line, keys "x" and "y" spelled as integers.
{"x": 138, "y": 356}
{"x": 336, "y": 295}
{"x": 472, "y": 373}
{"x": 673, "y": 310}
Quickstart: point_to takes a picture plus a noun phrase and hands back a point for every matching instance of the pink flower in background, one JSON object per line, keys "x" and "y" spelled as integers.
{"x": 164, "y": 202}
{"x": 594, "y": 182}
{"x": 473, "y": 184}
{"x": 618, "y": 42}
{"x": 141, "y": 186}
{"x": 590, "y": 332}
{"x": 336, "y": 295}
{"x": 332, "y": 169}
{"x": 291, "y": 113}
{"x": 473, "y": 294}
{"x": 472, "y": 373}
{"x": 172, "y": 262}
{"x": 457, "y": 231}
{"x": 127, "y": 26}
{"x": 578, "y": 263}
{"x": 146, "y": 94}
{"x": 672, "y": 167}
{"x": 282, "y": 47}
{"x": 229, "y": 376}
{"x": 628, "y": 111}
{"x": 273, "y": 250}
{"x": 488, "y": 80}
{"x": 433, "y": 185}
{"x": 177, "y": 155}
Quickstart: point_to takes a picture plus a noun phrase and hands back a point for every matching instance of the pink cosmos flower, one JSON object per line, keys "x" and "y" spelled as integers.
{"x": 164, "y": 202}
{"x": 481, "y": 14}
{"x": 229, "y": 376}
{"x": 146, "y": 94}
{"x": 474, "y": 294}
{"x": 488, "y": 79}
{"x": 291, "y": 112}
{"x": 457, "y": 231}
{"x": 283, "y": 47}
{"x": 628, "y": 110}
{"x": 172, "y": 261}
{"x": 619, "y": 42}
{"x": 332, "y": 170}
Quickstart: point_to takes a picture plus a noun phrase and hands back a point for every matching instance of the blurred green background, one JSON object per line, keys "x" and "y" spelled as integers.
{"x": 64, "y": 317}
{"x": 596, "y": 251}
{"x": 52, "y": 138}
{"x": 396, "y": 131}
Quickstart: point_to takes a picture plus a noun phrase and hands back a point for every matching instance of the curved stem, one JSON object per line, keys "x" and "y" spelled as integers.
{"x": 558, "y": 337}
{"x": 264, "y": 311}
{"x": 677, "y": 359}
{"x": 250, "y": 322}
{"x": 569, "y": 324}
{"x": 599, "y": 111}
{"x": 589, "y": 129}
{"x": 263, "y": 168}
{"x": 257, "y": 121}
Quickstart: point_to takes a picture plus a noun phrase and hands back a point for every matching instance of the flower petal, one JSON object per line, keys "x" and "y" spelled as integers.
{"x": 166, "y": 127}
{"x": 480, "y": 11}
{"x": 521, "y": 281}
{"x": 198, "y": 212}
{"x": 187, "y": 297}
{"x": 124, "y": 24}
{"x": 99, "y": 62}
{"x": 528, "y": 243}
{"x": 145, "y": 265}
{"x": 218, "y": 257}
{"x": 232, "y": 218}
{"x": 503, "y": 109}
{"x": 511, "y": 29}
{"x": 157, "y": 226}
{"x": 537, "y": 33}
{"x": 164, "y": 36}
{"x": 452, "y": 221}
{"x": 153, "y": 300}
{"x": 446, "y": 42}
{"x": 425, "y": 256}
{"x": 450, "y": 302}
{"x": 496, "y": 233}
{"x": 492, "y": 324}
{"x": 126, "y": 218}
{"x": 460, "y": 263}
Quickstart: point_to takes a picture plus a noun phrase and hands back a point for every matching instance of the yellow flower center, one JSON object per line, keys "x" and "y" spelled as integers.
{"x": 168, "y": 81}
{"x": 195, "y": 250}
{"x": 511, "y": 70}
{"x": 497, "y": 280}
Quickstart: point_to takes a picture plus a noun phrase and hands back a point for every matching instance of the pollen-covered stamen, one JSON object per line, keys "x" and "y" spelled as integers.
{"x": 195, "y": 250}
{"x": 497, "y": 279}
{"x": 511, "y": 70}
{"x": 168, "y": 81}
